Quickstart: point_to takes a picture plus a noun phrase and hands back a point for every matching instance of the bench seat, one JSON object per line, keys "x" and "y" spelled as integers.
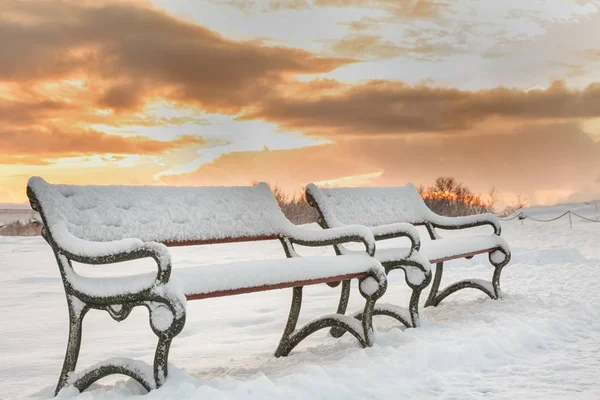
{"x": 438, "y": 251}
{"x": 251, "y": 276}
{"x": 216, "y": 280}
{"x": 443, "y": 249}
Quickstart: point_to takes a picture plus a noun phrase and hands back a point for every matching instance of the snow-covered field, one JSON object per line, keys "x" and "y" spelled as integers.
{"x": 542, "y": 341}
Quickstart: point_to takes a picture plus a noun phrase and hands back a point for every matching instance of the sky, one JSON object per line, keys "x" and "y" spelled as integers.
{"x": 502, "y": 94}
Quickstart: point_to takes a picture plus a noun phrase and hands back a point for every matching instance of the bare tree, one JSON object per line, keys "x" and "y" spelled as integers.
{"x": 519, "y": 203}
{"x": 449, "y": 197}
{"x": 295, "y": 207}
{"x": 492, "y": 199}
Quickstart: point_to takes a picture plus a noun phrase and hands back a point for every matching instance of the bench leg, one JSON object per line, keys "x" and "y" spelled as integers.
{"x": 413, "y": 304}
{"x": 371, "y": 288}
{"x": 408, "y": 317}
{"x": 435, "y": 285}
{"x": 498, "y": 259}
{"x": 164, "y": 323}
{"x": 342, "y": 307}
{"x": 77, "y": 311}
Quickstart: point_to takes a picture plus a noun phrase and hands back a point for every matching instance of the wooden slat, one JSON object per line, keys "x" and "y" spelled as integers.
{"x": 284, "y": 285}
{"x": 463, "y": 255}
{"x": 220, "y": 240}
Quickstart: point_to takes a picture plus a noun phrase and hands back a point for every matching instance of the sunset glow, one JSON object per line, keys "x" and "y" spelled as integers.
{"x": 335, "y": 92}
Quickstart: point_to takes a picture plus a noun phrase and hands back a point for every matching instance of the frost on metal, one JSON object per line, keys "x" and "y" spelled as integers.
{"x": 392, "y": 212}
{"x": 112, "y": 224}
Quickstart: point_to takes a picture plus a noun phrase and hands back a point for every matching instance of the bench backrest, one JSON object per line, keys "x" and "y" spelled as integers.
{"x": 369, "y": 206}
{"x": 170, "y": 215}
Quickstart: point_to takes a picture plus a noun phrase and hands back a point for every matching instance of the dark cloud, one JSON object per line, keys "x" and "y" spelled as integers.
{"x": 28, "y": 112}
{"x": 383, "y": 107}
{"x": 146, "y": 48}
{"x": 122, "y": 97}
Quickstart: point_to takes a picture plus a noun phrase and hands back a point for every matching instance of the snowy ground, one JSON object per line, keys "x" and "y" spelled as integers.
{"x": 542, "y": 341}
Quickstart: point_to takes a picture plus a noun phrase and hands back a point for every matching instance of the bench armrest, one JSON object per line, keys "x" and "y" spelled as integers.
{"x": 90, "y": 252}
{"x": 331, "y": 236}
{"x": 389, "y": 231}
{"x": 468, "y": 221}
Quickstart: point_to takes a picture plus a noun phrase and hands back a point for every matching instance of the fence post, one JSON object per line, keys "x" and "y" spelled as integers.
{"x": 570, "y": 222}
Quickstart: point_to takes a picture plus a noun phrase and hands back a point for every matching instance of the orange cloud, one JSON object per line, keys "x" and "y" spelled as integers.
{"x": 365, "y": 46}
{"x": 368, "y": 46}
{"x": 398, "y": 8}
{"x": 384, "y": 107}
{"x": 365, "y": 23}
{"x": 592, "y": 54}
{"x": 412, "y": 9}
{"x": 146, "y": 51}
{"x": 34, "y": 146}
{"x": 268, "y": 5}
{"x": 287, "y": 168}
{"x": 124, "y": 97}
{"x": 22, "y": 112}
{"x": 70, "y": 66}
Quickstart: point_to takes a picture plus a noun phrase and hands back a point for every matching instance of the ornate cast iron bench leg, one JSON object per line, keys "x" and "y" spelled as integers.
{"x": 413, "y": 305}
{"x": 497, "y": 258}
{"x": 409, "y": 318}
{"x": 362, "y": 330}
{"x": 164, "y": 321}
{"x": 76, "y": 314}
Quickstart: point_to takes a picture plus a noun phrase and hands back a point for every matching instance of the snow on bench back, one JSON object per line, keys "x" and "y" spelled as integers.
{"x": 159, "y": 213}
{"x": 370, "y": 206}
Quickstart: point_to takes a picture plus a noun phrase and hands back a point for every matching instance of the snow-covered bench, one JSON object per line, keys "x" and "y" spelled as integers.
{"x": 392, "y": 212}
{"x": 110, "y": 224}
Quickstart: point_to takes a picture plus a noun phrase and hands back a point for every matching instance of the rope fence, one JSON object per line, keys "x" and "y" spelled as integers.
{"x": 523, "y": 216}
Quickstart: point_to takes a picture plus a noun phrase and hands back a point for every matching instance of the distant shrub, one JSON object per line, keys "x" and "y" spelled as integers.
{"x": 451, "y": 198}
{"x": 18, "y": 228}
{"x": 294, "y": 207}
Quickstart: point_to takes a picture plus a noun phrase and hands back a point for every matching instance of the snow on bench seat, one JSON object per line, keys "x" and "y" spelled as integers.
{"x": 97, "y": 221}
{"x": 458, "y": 247}
{"x": 159, "y": 214}
{"x": 219, "y": 280}
{"x": 223, "y": 279}
{"x": 380, "y": 206}
{"x": 370, "y": 206}
{"x": 384, "y": 209}
{"x": 439, "y": 250}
